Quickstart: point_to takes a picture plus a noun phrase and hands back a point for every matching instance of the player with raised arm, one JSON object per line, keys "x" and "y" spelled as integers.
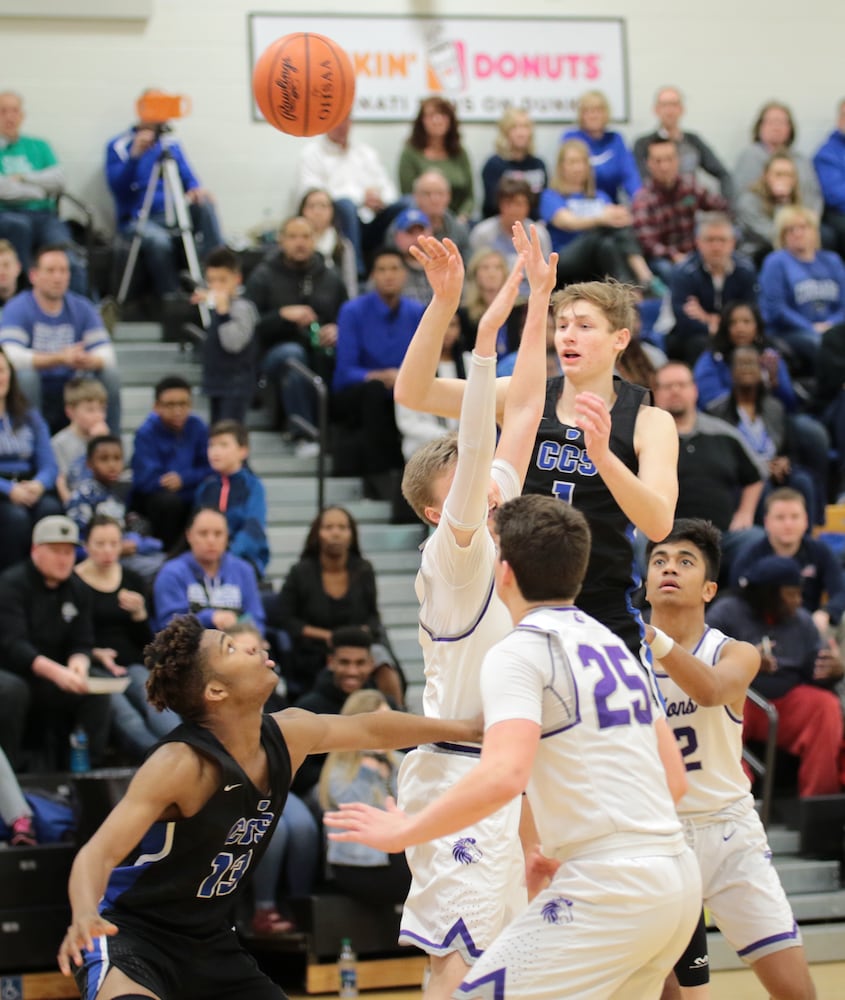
{"x": 704, "y": 676}
{"x": 466, "y": 888}
{"x": 569, "y": 716}
{"x": 153, "y": 891}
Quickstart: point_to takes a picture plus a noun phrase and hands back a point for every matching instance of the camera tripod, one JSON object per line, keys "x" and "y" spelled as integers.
{"x": 177, "y": 216}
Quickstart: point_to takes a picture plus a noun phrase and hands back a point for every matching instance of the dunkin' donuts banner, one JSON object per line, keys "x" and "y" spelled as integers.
{"x": 482, "y": 64}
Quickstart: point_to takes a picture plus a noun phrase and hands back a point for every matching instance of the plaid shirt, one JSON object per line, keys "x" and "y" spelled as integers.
{"x": 664, "y": 218}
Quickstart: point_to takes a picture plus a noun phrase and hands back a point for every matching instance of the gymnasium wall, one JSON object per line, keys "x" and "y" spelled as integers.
{"x": 80, "y": 78}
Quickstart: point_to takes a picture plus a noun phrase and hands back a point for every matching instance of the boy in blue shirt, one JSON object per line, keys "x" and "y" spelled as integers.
{"x": 235, "y": 490}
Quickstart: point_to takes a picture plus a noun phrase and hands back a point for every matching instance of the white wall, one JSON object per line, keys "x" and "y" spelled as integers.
{"x": 80, "y": 80}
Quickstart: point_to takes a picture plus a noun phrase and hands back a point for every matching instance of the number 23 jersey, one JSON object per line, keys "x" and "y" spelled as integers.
{"x": 186, "y": 874}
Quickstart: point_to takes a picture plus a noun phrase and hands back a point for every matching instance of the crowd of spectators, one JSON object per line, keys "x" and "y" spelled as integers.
{"x": 99, "y": 549}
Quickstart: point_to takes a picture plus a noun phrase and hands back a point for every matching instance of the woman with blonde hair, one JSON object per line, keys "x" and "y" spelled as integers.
{"x": 514, "y": 158}
{"x": 802, "y": 288}
{"x": 486, "y": 273}
{"x": 614, "y": 164}
{"x": 368, "y": 776}
{"x": 592, "y": 236}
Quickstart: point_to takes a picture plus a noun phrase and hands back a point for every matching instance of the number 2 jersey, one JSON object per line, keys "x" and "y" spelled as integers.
{"x": 710, "y": 740}
{"x": 598, "y": 783}
{"x": 561, "y": 467}
{"x": 185, "y": 874}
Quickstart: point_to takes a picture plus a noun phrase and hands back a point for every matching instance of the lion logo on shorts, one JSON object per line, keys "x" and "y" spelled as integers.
{"x": 466, "y": 852}
{"x": 557, "y": 911}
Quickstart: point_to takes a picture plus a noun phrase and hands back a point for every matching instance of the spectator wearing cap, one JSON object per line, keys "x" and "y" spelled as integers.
{"x": 410, "y": 225}
{"x": 373, "y": 334}
{"x": 46, "y": 639}
{"x": 797, "y": 670}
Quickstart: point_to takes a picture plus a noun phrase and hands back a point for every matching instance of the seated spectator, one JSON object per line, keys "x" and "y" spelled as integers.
{"x": 829, "y": 162}
{"x": 15, "y": 811}
{"x": 665, "y": 208}
{"x": 235, "y": 490}
{"x": 85, "y": 409}
{"x": 330, "y": 586}
{"x": 713, "y": 275}
{"x": 368, "y": 776}
{"x": 612, "y": 162}
{"x": 50, "y": 334}
{"x": 288, "y": 869}
{"x": 169, "y": 461}
{"x": 31, "y": 181}
{"x": 207, "y": 581}
{"x": 10, "y": 272}
{"x": 693, "y": 151}
{"x": 776, "y": 188}
{"x": 405, "y": 232}
{"x": 796, "y": 672}
{"x": 229, "y": 348}
{"x": 435, "y": 145}
{"x": 486, "y": 273}
{"x": 787, "y": 528}
{"x": 105, "y": 490}
{"x": 27, "y": 469}
{"x": 373, "y": 333}
{"x": 46, "y": 638}
{"x": 131, "y": 159}
{"x": 774, "y": 132}
{"x": 353, "y": 175}
{"x": 297, "y": 298}
{"x": 431, "y": 193}
{"x": 591, "y": 234}
{"x": 719, "y": 478}
{"x": 347, "y": 668}
{"x": 336, "y": 249}
{"x": 802, "y": 288}
{"x": 761, "y": 420}
{"x": 514, "y": 200}
{"x": 121, "y": 631}
{"x": 514, "y": 159}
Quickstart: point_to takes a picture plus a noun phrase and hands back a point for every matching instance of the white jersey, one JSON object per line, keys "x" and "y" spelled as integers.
{"x": 461, "y": 616}
{"x": 710, "y": 741}
{"x": 598, "y": 784}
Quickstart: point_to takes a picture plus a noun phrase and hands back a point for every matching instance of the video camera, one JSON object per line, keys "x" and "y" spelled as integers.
{"x": 155, "y": 108}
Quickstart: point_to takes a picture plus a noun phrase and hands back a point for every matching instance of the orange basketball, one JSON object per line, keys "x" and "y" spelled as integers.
{"x": 304, "y": 83}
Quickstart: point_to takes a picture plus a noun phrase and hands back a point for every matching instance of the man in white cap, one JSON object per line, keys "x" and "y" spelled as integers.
{"x": 46, "y": 637}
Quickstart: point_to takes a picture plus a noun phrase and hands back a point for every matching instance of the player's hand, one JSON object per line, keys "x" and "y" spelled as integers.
{"x": 443, "y": 264}
{"x": 541, "y": 273}
{"x": 593, "y": 417}
{"x": 382, "y": 829}
{"x": 539, "y": 871}
{"x": 81, "y": 934}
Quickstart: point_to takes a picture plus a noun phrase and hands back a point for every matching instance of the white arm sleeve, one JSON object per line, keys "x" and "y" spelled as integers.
{"x": 466, "y": 504}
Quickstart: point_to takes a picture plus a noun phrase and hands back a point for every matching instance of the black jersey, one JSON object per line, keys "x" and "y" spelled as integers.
{"x": 560, "y": 466}
{"x": 185, "y": 874}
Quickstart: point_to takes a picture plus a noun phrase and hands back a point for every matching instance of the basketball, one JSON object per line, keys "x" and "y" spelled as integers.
{"x": 304, "y": 83}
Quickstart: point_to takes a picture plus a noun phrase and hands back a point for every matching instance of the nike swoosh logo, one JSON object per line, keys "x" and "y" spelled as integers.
{"x": 729, "y": 835}
{"x": 228, "y": 788}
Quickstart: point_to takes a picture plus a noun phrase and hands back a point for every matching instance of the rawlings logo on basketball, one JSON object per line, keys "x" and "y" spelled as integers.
{"x": 465, "y": 851}
{"x": 287, "y": 84}
{"x": 557, "y": 911}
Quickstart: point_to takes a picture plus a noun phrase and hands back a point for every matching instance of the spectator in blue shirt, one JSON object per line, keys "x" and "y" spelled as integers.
{"x": 614, "y": 164}
{"x": 207, "y": 581}
{"x": 235, "y": 490}
{"x": 373, "y": 334}
{"x": 829, "y": 162}
{"x": 169, "y": 461}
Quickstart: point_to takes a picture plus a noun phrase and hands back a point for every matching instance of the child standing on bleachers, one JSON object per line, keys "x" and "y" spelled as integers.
{"x": 85, "y": 408}
{"x": 229, "y": 359}
{"x": 235, "y": 490}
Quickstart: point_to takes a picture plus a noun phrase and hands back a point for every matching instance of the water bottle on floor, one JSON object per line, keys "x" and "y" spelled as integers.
{"x": 347, "y": 967}
{"x": 80, "y": 761}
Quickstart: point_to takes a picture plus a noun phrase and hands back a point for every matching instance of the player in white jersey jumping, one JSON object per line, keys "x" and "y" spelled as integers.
{"x": 568, "y": 715}
{"x": 703, "y": 676}
{"x": 467, "y": 887}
